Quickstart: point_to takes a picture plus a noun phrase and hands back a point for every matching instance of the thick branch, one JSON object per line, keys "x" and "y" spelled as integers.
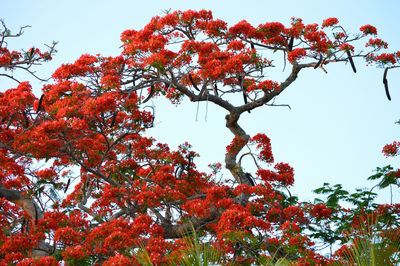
{"x": 27, "y": 204}
{"x": 33, "y": 210}
{"x": 268, "y": 96}
{"x": 231, "y": 156}
{"x": 199, "y": 97}
{"x": 179, "y": 230}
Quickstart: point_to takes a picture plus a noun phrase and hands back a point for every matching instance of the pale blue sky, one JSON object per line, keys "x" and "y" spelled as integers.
{"x": 338, "y": 122}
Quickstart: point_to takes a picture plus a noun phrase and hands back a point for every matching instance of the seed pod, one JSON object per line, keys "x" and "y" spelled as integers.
{"x": 290, "y": 45}
{"x": 40, "y": 104}
{"x": 67, "y": 186}
{"x": 36, "y": 214}
{"x": 319, "y": 62}
{"x": 216, "y": 90}
{"x": 248, "y": 179}
{"x": 26, "y": 120}
{"x": 178, "y": 171}
{"x": 385, "y": 83}
{"x": 152, "y": 90}
{"x": 194, "y": 84}
{"x": 245, "y": 99}
{"x": 351, "y": 61}
{"x": 113, "y": 119}
{"x": 23, "y": 225}
{"x": 31, "y": 52}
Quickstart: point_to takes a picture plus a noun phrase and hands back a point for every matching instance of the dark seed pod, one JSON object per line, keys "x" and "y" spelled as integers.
{"x": 190, "y": 161}
{"x": 245, "y": 99}
{"x": 36, "y": 214}
{"x": 39, "y": 108}
{"x": 248, "y": 180}
{"x": 351, "y": 61}
{"x": 385, "y": 83}
{"x": 319, "y": 62}
{"x": 194, "y": 84}
{"x": 23, "y": 225}
{"x": 178, "y": 172}
{"x": 67, "y": 186}
{"x": 113, "y": 119}
{"x": 216, "y": 90}
{"x": 290, "y": 45}
{"x": 152, "y": 90}
{"x": 26, "y": 120}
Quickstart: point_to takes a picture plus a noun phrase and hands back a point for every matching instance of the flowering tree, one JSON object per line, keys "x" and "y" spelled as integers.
{"x": 81, "y": 182}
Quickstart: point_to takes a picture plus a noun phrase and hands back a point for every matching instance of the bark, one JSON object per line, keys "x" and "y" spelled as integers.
{"x": 26, "y": 203}
{"x": 33, "y": 210}
{"x": 231, "y": 157}
{"x": 172, "y": 231}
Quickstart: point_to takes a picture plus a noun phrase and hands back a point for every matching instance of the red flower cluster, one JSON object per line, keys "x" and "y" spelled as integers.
{"x": 385, "y": 58}
{"x": 296, "y": 54}
{"x": 368, "y": 30}
{"x": 7, "y": 58}
{"x": 329, "y": 22}
{"x": 284, "y": 174}
{"x": 320, "y": 211}
{"x": 236, "y": 145}
{"x": 347, "y": 47}
{"x": 392, "y": 149}
{"x": 263, "y": 144}
{"x": 83, "y": 66}
{"x": 122, "y": 191}
{"x": 265, "y": 85}
{"x": 376, "y": 43}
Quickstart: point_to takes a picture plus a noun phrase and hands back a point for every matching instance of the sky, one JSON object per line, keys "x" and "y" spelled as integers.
{"x": 337, "y": 124}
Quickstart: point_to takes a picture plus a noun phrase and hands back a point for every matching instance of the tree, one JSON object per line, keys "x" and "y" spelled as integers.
{"x": 81, "y": 182}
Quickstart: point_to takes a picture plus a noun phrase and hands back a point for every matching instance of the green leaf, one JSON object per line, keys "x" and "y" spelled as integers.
{"x": 323, "y": 189}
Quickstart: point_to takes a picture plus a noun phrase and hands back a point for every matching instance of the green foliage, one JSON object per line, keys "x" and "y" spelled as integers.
{"x": 386, "y": 175}
{"x": 199, "y": 254}
{"x": 143, "y": 257}
{"x": 196, "y": 253}
{"x": 81, "y": 262}
{"x": 370, "y": 246}
{"x": 335, "y": 193}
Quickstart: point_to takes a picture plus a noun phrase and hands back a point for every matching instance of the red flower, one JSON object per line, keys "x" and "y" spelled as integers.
{"x": 321, "y": 211}
{"x": 385, "y": 58}
{"x": 242, "y": 27}
{"x": 368, "y": 29}
{"x": 285, "y": 173}
{"x": 236, "y": 145}
{"x": 271, "y": 29}
{"x": 377, "y": 43}
{"x": 391, "y": 149}
{"x": 236, "y": 45}
{"x": 43, "y": 261}
{"x": 264, "y": 145}
{"x": 118, "y": 260}
{"x": 75, "y": 252}
{"x": 265, "y": 85}
{"x": 296, "y": 54}
{"x": 346, "y": 47}
{"x": 329, "y": 22}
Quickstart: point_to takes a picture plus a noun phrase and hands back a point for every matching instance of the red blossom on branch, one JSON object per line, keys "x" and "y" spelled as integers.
{"x": 391, "y": 149}
{"x": 263, "y": 144}
{"x": 80, "y": 176}
{"x": 296, "y": 54}
{"x": 368, "y": 30}
{"x": 329, "y": 22}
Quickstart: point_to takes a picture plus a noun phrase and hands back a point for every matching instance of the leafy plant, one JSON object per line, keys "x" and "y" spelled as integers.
{"x": 368, "y": 245}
